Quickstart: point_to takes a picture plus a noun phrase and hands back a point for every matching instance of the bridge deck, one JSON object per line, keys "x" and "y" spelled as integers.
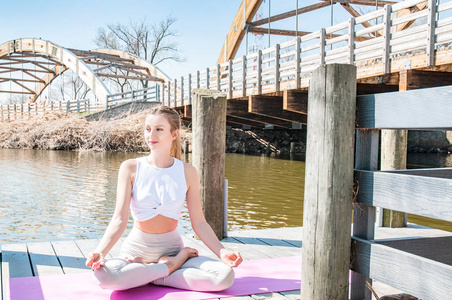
{"x": 65, "y": 257}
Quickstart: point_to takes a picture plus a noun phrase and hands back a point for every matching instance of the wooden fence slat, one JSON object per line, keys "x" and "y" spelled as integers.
{"x": 43, "y": 259}
{"x": 413, "y": 274}
{"x": 70, "y": 257}
{"x": 414, "y": 194}
{"x": 406, "y": 110}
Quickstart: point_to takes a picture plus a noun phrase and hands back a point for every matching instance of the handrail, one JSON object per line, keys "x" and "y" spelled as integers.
{"x": 273, "y": 70}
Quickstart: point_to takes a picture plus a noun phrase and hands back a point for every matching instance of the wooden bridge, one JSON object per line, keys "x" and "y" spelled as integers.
{"x": 403, "y": 46}
{"x": 399, "y": 51}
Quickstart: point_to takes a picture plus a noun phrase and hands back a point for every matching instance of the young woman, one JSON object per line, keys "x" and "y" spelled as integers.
{"x": 154, "y": 188}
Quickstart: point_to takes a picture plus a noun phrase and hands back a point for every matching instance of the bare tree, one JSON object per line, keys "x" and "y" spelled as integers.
{"x": 151, "y": 42}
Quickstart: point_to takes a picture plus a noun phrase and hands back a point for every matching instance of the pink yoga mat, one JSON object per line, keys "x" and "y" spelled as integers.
{"x": 252, "y": 277}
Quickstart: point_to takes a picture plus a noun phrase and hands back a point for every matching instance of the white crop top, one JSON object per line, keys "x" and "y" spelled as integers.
{"x": 158, "y": 191}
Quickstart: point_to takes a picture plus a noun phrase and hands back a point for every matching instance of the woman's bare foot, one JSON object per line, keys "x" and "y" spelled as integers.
{"x": 175, "y": 262}
{"x": 139, "y": 260}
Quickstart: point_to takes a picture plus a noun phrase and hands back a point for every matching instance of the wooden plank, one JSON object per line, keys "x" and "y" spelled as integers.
{"x": 268, "y": 296}
{"x": 280, "y": 244}
{"x": 198, "y": 245}
{"x": 87, "y": 246}
{"x": 425, "y": 278}
{"x": 43, "y": 259}
{"x": 70, "y": 257}
{"x": 419, "y": 195}
{"x": 239, "y": 109}
{"x": 295, "y": 101}
{"x": 246, "y": 252}
{"x": 245, "y": 15}
{"x": 433, "y": 172}
{"x": 292, "y": 295}
{"x": 435, "y": 248}
{"x": 261, "y": 246}
{"x": 406, "y": 110}
{"x": 15, "y": 263}
{"x": 272, "y": 106}
{"x": 366, "y": 157}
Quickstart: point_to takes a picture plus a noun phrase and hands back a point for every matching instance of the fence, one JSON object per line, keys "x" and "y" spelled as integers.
{"x": 27, "y": 110}
{"x": 424, "y": 192}
{"x": 374, "y": 42}
{"x": 151, "y": 94}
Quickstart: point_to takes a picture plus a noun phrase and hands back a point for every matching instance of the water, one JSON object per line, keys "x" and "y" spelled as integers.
{"x": 60, "y": 195}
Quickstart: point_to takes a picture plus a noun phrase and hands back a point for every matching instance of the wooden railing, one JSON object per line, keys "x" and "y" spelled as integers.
{"x": 27, "y": 110}
{"x": 151, "y": 94}
{"x": 424, "y": 192}
{"x": 375, "y": 50}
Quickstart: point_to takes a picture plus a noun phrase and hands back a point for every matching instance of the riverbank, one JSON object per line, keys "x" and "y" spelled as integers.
{"x": 70, "y": 132}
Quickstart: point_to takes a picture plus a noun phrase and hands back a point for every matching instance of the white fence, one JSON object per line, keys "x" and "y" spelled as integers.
{"x": 375, "y": 50}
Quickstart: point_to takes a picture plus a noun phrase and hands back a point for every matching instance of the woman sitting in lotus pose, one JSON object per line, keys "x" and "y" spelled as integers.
{"x": 154, "y": 188}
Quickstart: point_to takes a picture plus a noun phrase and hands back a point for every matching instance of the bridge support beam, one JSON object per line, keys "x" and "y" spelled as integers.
{"x": 238, "y": 110}
{"x": 295, "y": 101}
{"x": 273, "y": 106}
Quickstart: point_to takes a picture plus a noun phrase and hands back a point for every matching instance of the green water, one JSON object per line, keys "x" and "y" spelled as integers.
{"x": 59, "y": 195}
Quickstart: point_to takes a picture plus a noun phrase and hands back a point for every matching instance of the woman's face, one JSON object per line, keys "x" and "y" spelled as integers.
{"x": 157, "y": 133}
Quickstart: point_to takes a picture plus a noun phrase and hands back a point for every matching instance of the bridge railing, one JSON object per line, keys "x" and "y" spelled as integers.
{"x": 421, "y": 267}
{"x": 27, "y": 110}
{"x": 377, "y": 43}
{"x": 150, "y": 94}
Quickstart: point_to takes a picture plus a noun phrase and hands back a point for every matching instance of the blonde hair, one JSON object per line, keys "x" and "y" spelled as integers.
{"x": 173, "y": 118}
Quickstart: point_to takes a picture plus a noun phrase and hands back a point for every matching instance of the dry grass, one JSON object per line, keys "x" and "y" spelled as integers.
{"x": 69, "y": 132}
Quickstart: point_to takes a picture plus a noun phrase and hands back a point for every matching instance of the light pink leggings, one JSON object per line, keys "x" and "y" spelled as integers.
{"x": 197, "y": 273}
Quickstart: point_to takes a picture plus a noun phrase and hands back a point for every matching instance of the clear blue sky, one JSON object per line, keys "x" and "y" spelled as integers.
{"x": 202, "y": 25}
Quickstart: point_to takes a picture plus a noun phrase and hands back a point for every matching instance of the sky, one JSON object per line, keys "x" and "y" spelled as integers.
{"x": 201, "y": 25}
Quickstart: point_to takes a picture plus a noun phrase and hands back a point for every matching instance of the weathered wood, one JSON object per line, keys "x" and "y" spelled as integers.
{"x": 425, "y": 278}
{"x": 366, "y": 158}
{"x": 15, "y": 263}
{"x": 43, "y": 259}
{"x": 70, "y": 257}
{"x": 436, "y": 248}
{"x": 393, "y": 157}
{"x": 272, "y": 106}
{"x": 295, "y": 101}
{"x": 329, "y": 182}
{"x": 407, "y": 110}
{"x": 239, "y": 109}
{"x": 208, "y": 153}
{"x": 414, "y": 194}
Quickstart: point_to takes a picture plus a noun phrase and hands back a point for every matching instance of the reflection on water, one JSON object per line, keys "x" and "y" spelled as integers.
{"x": 57, "y": 195}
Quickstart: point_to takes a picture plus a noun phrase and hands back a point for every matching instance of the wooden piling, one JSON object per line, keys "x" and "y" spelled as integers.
{"x": 393, "y": 157}
{"x": 329, "y": 183}
{"x": 208, "y": 152}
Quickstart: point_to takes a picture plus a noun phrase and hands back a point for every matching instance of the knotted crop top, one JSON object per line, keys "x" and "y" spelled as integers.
{"x": 158, "y": 191}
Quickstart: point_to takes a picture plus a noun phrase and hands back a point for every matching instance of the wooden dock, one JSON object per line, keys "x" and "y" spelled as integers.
{"x": 65, "y": 257}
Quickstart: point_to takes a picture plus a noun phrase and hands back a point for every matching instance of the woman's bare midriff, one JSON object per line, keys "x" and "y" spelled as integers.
{"x": 158, "y": 224}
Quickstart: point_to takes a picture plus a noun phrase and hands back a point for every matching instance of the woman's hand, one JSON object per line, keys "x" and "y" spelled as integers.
{"x": 232, "y": 259}
{"x": 95, "y": 260}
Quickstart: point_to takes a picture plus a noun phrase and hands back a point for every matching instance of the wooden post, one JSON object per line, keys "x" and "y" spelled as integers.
{"x": 366, "y": 158}
{"x": 329, "y": 183}
{"x": 208, "y": 152}
{"x": 393, "y": 157}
